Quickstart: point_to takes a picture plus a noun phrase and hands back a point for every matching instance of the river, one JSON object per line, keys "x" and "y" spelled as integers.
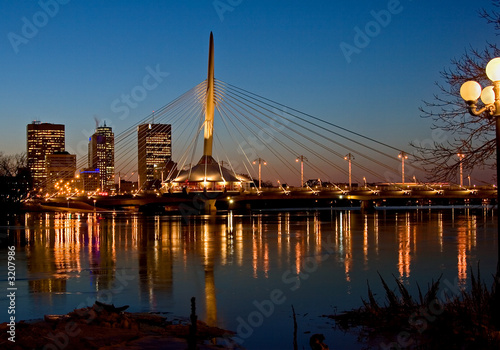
{"x": 245, "y": 271}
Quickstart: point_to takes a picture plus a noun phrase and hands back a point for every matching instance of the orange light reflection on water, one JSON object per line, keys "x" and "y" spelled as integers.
{"x": 61, "y": 246}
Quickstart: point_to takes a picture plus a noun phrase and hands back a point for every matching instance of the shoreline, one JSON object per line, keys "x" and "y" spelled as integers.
{"x": 105, "y": 327}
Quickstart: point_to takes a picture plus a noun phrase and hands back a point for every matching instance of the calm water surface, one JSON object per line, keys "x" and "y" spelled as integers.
{"x": 246, "y": 272}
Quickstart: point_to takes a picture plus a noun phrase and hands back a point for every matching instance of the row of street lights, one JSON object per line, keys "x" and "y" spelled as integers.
{"x": 349, "y": 157}
{"x": 261, "y": 162}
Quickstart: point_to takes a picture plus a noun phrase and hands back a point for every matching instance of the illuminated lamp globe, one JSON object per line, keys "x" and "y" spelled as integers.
{"x": 493, "y": 69}
{"x": 470, "y": 90}
{"x": 488, "y": 95}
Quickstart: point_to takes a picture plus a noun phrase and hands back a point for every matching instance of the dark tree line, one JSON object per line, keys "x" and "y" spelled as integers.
{"x": 12, "y": 165}
{"x": 471, "y": 136}
{"x": 15, "y": 178}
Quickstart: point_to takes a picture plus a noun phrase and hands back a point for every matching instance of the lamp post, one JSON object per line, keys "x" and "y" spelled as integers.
{"x": 349, "y": 157}
{"x": 461, "y": 158}
{"x": 260, "y": 161}
{"x": 490, "y": 96}
{"x": 301, "y": 159}
{"x": 403, "y": 156}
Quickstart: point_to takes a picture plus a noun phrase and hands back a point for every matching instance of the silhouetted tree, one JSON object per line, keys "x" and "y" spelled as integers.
{"x": 472, "y": 136}
{"x": 15, "y": 180}
{"x": 11, "y": 165}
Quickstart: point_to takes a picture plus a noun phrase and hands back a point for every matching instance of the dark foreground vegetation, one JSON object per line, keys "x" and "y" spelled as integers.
{"x": 435, "y": 320}
{"x": 105, "y": 327}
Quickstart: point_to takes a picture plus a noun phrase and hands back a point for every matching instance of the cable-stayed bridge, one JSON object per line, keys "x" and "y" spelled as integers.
{"x": 256, "y": 150}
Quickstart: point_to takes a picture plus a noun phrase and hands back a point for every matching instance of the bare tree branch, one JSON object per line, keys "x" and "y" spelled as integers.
{"x": 11, "y": 165}
{"x": 472, "y": 136}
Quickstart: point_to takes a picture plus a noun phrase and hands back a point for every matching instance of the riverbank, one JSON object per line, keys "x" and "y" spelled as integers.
{"x": 434, "y": 321}
{"x": 105, "y": 327}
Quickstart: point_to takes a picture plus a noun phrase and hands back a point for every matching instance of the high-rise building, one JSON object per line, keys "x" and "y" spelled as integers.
{"x": 102, "y": 155}
{"x": 42, "y": 139}
{"x": 154, "y": 152}
{"x": 90, "y": 180}
{"x": 61, "y": 168}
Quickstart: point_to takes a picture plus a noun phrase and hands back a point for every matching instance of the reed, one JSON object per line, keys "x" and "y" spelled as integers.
{"x": 463, "y": 321}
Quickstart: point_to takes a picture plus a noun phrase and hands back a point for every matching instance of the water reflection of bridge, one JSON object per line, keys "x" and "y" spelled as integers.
{"x": 209, "y": 202}
{"x": 98, "y": 249}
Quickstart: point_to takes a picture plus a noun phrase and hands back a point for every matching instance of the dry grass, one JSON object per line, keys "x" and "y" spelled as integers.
{"x": 466, "y": 321}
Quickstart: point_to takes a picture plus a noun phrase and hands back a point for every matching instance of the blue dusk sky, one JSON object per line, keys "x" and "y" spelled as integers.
{"x": 67, "y": 61}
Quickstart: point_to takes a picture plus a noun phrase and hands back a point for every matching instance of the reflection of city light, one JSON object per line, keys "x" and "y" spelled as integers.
{"x": 239, "y": 243}
{"x": 365, "y": 240}
{"x": 164, "y": 246}
{"x": 224, "y": 244}
{"x": 404, "y": 250}
{"x": 254, "y": 255}
{"x": 440, "y": 230}
{"x": 266, "y": 260}
{"x": 135, "y": 231}
{"x": 210, "y": 297}
{"x": 466, "y": 239}
{"x": 298, "y": 257}
{"x": 279, "y": 238}
{"x": 308, "y": 233}
{"x": 206, "y": 243}
{"x": 317, "y": 235}
{"x": 230, "y": 222}
{"x": 66, "y": 244}
{"x": 345, "y": 243}
{"x": 462, "y": 255}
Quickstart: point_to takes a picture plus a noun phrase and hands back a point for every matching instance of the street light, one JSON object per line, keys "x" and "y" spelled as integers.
{"x": 461, "y": 158}
{"x": 490, "y": 95}
{"x": 349, "y": 157}
{"x": 301, "y": 159}
{"x": 403, "y": 156}
{"x": 260, "y": 161}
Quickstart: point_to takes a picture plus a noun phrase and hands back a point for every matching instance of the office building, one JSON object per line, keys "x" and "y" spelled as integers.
{"x": 102, "y": 156}
{"x": 90, "y": 181}
{"x": 61, "y": 168}
{"x": 154, "y": 153}
{"x": 42, "y": 139}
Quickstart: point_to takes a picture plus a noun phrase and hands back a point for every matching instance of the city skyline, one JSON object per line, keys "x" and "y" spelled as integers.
{"x": 312, "y": 58}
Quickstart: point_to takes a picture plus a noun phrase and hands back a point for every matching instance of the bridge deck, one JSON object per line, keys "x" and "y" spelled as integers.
{"x": 287, "y": 198}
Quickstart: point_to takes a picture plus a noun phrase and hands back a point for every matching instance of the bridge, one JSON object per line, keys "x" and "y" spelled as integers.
{"x": 254, "y": 139}
{"x": 205, "y": 202}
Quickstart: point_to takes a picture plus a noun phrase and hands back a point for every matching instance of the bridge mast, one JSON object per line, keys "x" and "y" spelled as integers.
{"x": 210, "y": 103}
